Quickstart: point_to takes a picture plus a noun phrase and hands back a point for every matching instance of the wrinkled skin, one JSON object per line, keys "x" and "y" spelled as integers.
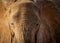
{"x": 25, "y": 22}
{"x": 32, "y": 26}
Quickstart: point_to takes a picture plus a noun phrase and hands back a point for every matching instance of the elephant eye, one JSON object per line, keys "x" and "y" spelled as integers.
{"x": 37, "y": 24}
{"x": 12, "y": 23}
